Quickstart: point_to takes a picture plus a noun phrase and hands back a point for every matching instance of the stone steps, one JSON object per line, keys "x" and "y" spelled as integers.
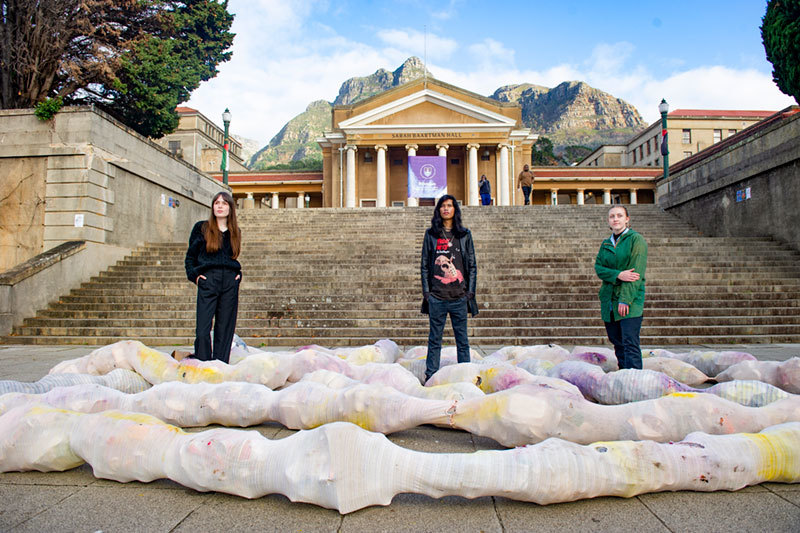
{"x": 310, "y": 278}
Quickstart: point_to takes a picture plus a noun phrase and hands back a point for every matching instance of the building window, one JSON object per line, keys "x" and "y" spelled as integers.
{"x": 687, "y": 137}
{"x": 175, "y": 147}
{"x": 658, "y": 161}
{"x": 634, "y": 156}
{"x": 397, "y": 162}
{"x": 648, "y": 147}
{"x": 367, "y": 157}
{"x": 717, "y": 136}
{"x": 455, "y": 161}
{"x": 731, "y": 132}
{"x": 641, "y": 151}
{"x": 485, "y": 155}
{"x": 687, "y": 154}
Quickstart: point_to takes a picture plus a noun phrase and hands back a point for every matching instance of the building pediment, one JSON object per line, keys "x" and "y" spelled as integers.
{"x": 427, "y": 109}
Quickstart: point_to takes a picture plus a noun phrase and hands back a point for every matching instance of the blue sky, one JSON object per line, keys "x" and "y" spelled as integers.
{"x": 696, "y": 54}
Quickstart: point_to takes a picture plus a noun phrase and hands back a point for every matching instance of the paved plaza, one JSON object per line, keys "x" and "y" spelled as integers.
{"x": 77, "y": 501}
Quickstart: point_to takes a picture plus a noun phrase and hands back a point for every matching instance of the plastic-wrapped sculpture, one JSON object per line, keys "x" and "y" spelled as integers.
{"x": 522, "y": 415}
{"x": 119, "y": 379}
{"x": 414, "y": 359}
{"x": 343, "y": 467}
{"x": 709, "y": 363}
{"x": 783, "y": 374}
{"x": 339, "y": 465}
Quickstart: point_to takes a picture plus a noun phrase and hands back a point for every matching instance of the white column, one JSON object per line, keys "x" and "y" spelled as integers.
{"x": 473, "y": 173}
{"x": 301, "y": 202}
{"x": 350, "y": 185}
{"x": 607, "y": 196}
{"x": 412, "y": 151}
{"x": 498, "y": 198}
{"x": 633, "y": 197}
{"x": 443, "y": 153}
{"x": 249, "y": 202}
{"x": 553, "y": 196}
{"x": 381, "y": 168}
{"x": 506, "y": 197}
{"x": 580, "y": 196}
{"x": 275, "y": 202}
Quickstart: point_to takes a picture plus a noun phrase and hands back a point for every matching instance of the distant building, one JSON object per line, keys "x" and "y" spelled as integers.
{"x": 689, "y": 131}
{"x": 199, "y": 142}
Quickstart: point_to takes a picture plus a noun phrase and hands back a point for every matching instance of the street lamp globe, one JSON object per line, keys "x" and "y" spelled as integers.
{"x": 663, "y": 107}
{"x": 226, "y": 116}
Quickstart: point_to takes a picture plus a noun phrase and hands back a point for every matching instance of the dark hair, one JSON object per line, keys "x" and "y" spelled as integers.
{"x": 213, "y": 235}
{"x": 436, "y": 222}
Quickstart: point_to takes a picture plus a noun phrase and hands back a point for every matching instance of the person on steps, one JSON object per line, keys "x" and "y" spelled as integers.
{"x": 449, "y": 277}
{"x": 211, "y": 264}
{"x": 621, "y": 264}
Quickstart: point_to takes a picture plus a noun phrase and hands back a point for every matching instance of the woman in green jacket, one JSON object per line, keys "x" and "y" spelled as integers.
{"x": 620, "y": 264}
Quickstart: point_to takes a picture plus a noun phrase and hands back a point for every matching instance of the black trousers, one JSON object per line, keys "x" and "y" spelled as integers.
{"x": 217, "y": 301}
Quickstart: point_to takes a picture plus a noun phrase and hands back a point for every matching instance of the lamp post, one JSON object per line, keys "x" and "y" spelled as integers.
{"x": 663, "y": 107}
{"x": 226, "y": 119}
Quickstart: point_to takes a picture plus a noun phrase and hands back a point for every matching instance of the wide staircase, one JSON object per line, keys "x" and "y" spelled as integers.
{"x": 350, "y": 277}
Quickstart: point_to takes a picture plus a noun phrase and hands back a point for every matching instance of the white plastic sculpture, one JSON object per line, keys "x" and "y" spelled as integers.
{"x": 708, "y": 362}
{"x": 783, "y": 374}
{"x": 119, "y": 379}
{"x": 343, "y": 467}
{"x": 522, "y": 415}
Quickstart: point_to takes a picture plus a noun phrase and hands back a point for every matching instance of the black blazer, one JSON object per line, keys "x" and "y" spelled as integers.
{"x": 470, "y": 267}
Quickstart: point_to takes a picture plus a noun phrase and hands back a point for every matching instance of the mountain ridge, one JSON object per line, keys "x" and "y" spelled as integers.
{"x": 571, "y": 113}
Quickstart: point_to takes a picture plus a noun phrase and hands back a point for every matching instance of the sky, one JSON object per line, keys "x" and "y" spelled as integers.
{"x": 699, "y": 54}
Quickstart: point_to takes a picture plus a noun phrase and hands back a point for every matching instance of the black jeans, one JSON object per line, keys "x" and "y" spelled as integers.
{"x": 624, "y": 335}
{"x": 437, "y": 316}
{"x": 217, "y": 300}
{"x": 526, "y": 191}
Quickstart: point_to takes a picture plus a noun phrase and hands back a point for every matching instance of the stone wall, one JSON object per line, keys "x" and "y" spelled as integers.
{"x": 84, "y": 176}
{"x": 748, "y": 185}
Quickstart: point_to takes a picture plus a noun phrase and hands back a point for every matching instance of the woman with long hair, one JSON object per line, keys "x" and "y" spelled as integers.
{"x": 211, "y": 264}
{"x": 449, "y": 277}
{"x": 621, "y": 264}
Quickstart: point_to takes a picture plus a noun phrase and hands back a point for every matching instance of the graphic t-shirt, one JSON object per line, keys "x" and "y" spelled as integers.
{"x": 448, "y": 268}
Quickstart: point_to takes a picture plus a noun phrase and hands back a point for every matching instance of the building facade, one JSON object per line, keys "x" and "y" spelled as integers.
{"x": 689, "y": 131}
{"x": 365, "y": 154}
{"x": 199, "y": 142}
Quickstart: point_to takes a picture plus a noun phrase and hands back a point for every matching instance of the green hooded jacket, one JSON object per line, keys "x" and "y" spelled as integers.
{"x": 630, "y": 252}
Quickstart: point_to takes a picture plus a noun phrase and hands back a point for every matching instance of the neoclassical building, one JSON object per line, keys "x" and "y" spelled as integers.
{"x": 365, "y": 154}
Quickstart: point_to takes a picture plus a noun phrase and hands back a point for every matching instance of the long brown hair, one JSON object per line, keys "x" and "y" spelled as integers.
{"x": 213, "y": 235}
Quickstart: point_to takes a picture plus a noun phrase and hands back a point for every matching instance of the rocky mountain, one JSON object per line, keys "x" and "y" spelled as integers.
{"x": 297, "y": 139}
{"x": 572, "y": 113}
{"x": 249, "y": 146}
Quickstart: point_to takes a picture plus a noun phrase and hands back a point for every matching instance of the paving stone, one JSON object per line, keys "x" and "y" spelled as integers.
{"x": 724, "y": 511}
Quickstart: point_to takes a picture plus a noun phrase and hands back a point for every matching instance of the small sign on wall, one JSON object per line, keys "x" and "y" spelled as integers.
{"x": 79, "y": 220}
{"x": 743, "y": 194}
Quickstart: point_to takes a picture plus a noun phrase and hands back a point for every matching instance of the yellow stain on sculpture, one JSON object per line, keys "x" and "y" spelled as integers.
{"x": 683, "y": 395}
{"x": 779, "y": 459}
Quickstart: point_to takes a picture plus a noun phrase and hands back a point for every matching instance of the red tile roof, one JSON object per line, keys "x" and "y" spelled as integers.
{"x": 587, "y": 172}
{"x": 184, "y": 109}
{"x": 270, "y": 177}
{"x": 733, "y": 113}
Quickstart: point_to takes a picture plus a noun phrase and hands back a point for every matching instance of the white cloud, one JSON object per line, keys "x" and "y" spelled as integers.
{"x": 412, "y": 42}
{"x": 283, "y": 59}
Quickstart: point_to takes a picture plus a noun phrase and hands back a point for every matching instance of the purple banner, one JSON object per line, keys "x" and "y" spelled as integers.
{"x": 427, "y": 176}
